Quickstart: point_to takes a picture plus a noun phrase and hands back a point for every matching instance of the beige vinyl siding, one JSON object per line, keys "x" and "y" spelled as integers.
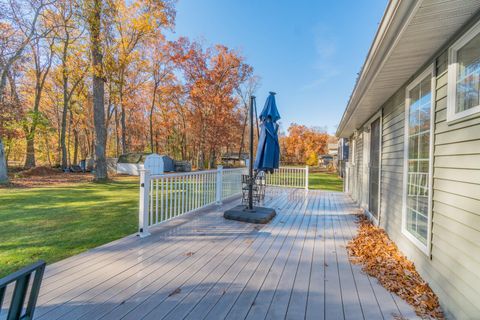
{"x": 453, "y": 268}
{"x": 455, "y": 253}
{"x": 358, "y": 168}
{"x": 456, "y": 203}
{"x": 391, "y": 183}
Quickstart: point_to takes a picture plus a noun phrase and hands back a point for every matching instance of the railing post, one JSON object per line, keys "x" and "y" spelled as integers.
{"x": 306, "y": 177}
{"x": 143, "y": 203}
{"x": 219, "y": 187}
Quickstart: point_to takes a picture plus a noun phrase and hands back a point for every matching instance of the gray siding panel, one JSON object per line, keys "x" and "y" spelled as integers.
{"x": 456, "y": 205}
{"x": 452, "y": 269}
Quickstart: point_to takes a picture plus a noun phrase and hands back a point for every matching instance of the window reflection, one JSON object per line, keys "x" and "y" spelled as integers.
{"x": 468, "y": 74}
{"x": 418, "y": 159}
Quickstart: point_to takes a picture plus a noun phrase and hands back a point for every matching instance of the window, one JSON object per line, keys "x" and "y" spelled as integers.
{"x": 418, "y": 116}
{"x": 464, "y": 76}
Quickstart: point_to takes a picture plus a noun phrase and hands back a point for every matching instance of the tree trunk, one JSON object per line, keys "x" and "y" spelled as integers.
{"x": 152, "y": 108}
{"x": 151, "y": 131}
{"x": 3, "y": 165}
{"x": 70, "y": 123}
{"x": 242, "y": 142}
{"x": 30, "y": 134}
{"x": 98, "y": 93}
{"x": 65, "y": 102}
{"x": 123, "y": 124}
{"x": 213, "y": 159}
{"x": 30, "y": 159}
{"x": 47, "y": 145}
{"x": 123, "y": 121}
{"x": 75, "y": 147}
{"x": 63, "y": 133}
{"x": 117, "y": 137}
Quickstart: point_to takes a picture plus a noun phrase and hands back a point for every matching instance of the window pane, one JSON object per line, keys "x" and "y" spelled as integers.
{"x": 419, "y": 123}
{"x": 424, "y": 146}
{"x": 413, "y": 147}
{"x": 422, "y": 228}
{"x": 425, "y": 91}
{"x": 411, "y": 220}
{"x": 468, "y": 58}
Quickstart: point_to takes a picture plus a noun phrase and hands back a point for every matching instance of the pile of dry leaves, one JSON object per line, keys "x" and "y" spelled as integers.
{"x": 44, "y": 177}
{"x": 380, "y": 258}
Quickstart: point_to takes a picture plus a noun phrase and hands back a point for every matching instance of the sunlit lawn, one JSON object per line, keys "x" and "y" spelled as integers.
{"x": 57, "y": 222}
{"x": 325, "y": 181}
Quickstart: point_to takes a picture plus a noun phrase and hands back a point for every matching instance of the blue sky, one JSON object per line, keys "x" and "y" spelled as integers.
{"x": 309, "y": 52}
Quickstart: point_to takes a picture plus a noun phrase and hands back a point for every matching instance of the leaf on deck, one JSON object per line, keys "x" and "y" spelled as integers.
{"x": 380, "y": 258}
{"x": 174, "y": 292}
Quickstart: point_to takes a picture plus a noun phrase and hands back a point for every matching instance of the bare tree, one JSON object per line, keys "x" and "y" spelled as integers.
{"x": 161, "y": 74}
{"x": 68, "y": 34}
{"x": 18, "y": 26}
{"x": 42, "y": 49}
{"x": 247, "y": 89}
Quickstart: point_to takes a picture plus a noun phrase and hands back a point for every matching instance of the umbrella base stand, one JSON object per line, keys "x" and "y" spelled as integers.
{"x": 256, "y": 215}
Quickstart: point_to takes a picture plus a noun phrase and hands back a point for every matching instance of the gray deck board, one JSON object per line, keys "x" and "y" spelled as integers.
{"x": 202, "y": 266}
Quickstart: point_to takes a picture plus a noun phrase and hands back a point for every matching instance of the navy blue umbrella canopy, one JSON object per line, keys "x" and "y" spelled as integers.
{"x": 268, "y": 150}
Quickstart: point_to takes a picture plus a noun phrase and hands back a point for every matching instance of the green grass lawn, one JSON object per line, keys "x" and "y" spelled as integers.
{"x": 57, "y": 222}
{"x": 325, "y": 181}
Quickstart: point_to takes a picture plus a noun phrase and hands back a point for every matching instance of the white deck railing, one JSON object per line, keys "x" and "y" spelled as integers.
{"x": 166, "y": 196}
{"x": 290, "y": 177}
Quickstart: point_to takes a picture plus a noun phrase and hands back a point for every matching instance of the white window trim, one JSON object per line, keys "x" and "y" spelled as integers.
{"x": 452, "y": 115}
{"x": 424, "y": 248}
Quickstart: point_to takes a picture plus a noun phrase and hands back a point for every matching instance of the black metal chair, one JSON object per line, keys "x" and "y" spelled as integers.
{"x": 21, "y": 278}
{"x": 259, "y": 185}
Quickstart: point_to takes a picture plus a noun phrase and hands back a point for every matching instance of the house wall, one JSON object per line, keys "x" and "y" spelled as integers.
{"x": 453, "y": 267}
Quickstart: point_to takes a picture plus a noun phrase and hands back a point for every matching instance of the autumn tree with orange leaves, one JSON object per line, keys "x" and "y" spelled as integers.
{"x": 212, "y": 76}
{"x": 95, "y": 79}
{"x": 303, "y": 145}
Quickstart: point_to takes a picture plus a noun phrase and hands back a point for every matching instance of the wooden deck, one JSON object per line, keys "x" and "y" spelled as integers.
{"x": 205, "y": 267}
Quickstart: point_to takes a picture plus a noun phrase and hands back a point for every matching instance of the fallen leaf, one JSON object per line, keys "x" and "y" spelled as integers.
{"x": 174, "y": 292}
{"x": 380, "y": 258}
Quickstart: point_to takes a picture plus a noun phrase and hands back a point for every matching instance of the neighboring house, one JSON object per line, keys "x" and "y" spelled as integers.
{"x": 333, "y": 149}
{"x": 413, "y": 121}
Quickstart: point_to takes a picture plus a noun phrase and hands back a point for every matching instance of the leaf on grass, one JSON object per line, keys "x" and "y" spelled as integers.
{"x": 380, "y": 258}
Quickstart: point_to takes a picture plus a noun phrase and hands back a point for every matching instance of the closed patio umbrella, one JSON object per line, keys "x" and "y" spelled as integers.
{"x": 267, "y": 159}
{"x": 268, "y": 149}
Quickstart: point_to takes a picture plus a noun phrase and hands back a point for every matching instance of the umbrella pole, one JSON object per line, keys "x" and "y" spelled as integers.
{"x": 250, "y": 214}
{"x": 250, "y": 163}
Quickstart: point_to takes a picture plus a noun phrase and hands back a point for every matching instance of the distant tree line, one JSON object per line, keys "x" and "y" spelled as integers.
{"x": 97, "y": 78}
